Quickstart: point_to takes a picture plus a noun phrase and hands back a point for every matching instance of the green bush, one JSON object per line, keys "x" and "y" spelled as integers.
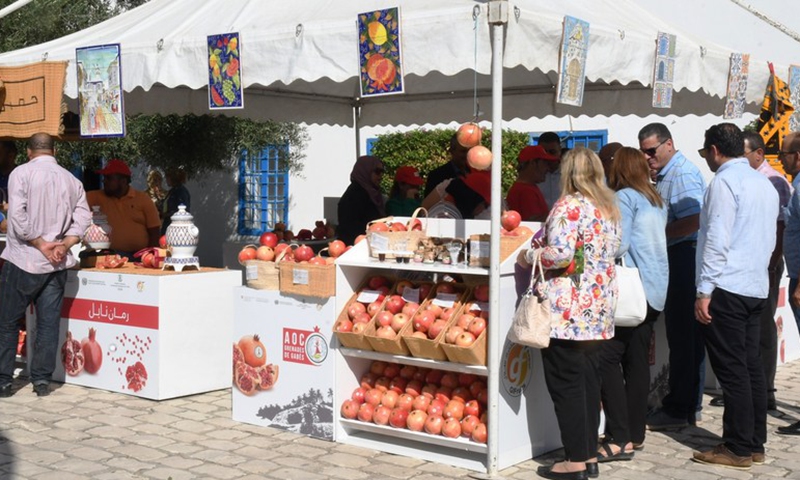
{"x": 427, "y": 149}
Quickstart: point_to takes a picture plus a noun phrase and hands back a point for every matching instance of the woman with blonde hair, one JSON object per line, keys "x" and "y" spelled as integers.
{"x": 155, "y": 189}
{"x": 582, "y": 236}
{"x": 624, "y": 365}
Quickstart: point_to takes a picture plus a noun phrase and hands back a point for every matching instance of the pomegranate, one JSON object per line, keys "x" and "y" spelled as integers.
{"x": 416, "y": 420}
{"x": 473, "y": 407}
{"x": 358, "y": 395}
{"x": 245, "y": 378}
{"x": 397, "y": 227}
{"x": 381, "y": 415}
{"x": 349, "y": 409}
{"x": 454, "y": 409}
{"x": 399, "y": 417}
{"x": 445, "y": 287}
{"x": 482, "y": 292}
{"x": 247, "y": 253}
{"x": 476, "y": 387}
{"x": 476, "y": 326}
{"x": 92, "y": 353}
{"x": 414, "y": 388}
{"x": 268, "y": 239}
{"x": 265, "y": 253}
{"x": 378, "y": 227}
{"x": 238, "y": 357}
{"x": 336, "y": 248}
{"x": 429, "y": 390}
{"x": 467, "y": 379}
{"x": 421, "y": 373}
{"x": 267, "y": 376}
{"x": 343, "y": 325}
{"x": 434, "y": 376}
{"x": 382, "y": 383}
{"x": 366, "y": 412}
{"x": 136, "y": 375}
{"x": 509, "y": 220}
{"x": 399, "y": 320}
{"x": 401, "y": 286}
{"x": 303, "y": 253}
{"x": 436, "y": 408}
{"x": 360, "y": 327}
{"x": 423, "y": 321}
{"x": 354, "y": 309}
{"x": 72, "y": 356}
{"x": 390, "y": 398}
{"x": 359, "y": 238}
{"x": 420, "y": 335}
{"x": 408, "y": 372}
{"x": 162, "y": 241}
{"x": 373, "y": 396}
{"x": 461, "y": 394}
{"x": 405, "y": 402}
{"x": 468, "y": 424}
{"x": 399, "y": 385}
{"x": 443, "y": 394}
{"x": 469, "y": 135}
{"x": 385, "y": 332}
{"x": 453, "y": 333}
{"x": 465, "y": 340}
{"x": 368, "y": 380}
{"x": 436, "y": 310}
{"x": 378, "y": 367}
{"x": 436, "y": 329}
{"x": 395, "y": 304}
{"x": 464, "y": 320}
{"x": 451, "y": 428}
{"x": 479, "y": 158}
{"x": 449, "y": 380}
{"x": 255, "y": 354}
{"x": 374, "y": 308}
{"x": 434, "y": 424}
{"x": 422, "y": 402}
{"x": 392, "y": 370}
{"x": 479, "y": 434}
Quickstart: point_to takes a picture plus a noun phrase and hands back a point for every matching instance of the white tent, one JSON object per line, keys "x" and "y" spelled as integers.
{"x": 294, "y": 53}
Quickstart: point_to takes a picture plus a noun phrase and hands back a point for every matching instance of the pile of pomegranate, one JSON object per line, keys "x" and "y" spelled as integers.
{"x": 367, "y": 302}
{"x": 414, "y": 225}
{"x": 270, "y": 248}
{"x": 509, "y": 221}
{"x": 251, "y": 372}
{"x": 471, "y": 323}
{"x": 432, "y": 319}
{"x": 421, "y": 400}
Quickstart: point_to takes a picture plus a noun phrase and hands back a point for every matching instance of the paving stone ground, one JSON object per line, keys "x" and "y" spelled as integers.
{"x": 80, "y": 433}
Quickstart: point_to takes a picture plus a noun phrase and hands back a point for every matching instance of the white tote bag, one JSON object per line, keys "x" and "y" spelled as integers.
{"x": 531, "y": 325}
{"x": 631, "y": 301}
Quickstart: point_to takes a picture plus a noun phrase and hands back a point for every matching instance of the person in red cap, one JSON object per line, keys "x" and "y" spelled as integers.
{"x": 404, "y": 195}
{"x": 131, "y": 213}
{"x": 468, "y": 197}
{"x": 534, "y": 163}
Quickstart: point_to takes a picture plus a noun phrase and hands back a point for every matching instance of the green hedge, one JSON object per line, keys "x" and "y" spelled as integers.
{"x": 427, "y": 149}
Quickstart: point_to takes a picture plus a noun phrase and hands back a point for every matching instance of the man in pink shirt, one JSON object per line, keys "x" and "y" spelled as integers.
{"x": 47, "y": 215}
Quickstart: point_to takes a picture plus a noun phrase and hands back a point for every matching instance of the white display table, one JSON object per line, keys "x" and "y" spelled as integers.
{"x": 295, "y": 332}
{"x": 527, "y": 423}
{"x": 173, "y": 328}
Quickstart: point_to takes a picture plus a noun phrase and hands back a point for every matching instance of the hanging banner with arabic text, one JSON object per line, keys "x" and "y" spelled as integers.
{"x": 225, "y": 72}
{"x": 31, "y": 99}
{"x": 572, "y": 68}
{"x": 737, "y": 85}
{"x": 664, "y": 70}
{"x": 379, "y": 59}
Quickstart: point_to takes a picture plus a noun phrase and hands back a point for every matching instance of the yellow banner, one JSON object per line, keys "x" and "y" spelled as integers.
{"x": 33, "y": 99}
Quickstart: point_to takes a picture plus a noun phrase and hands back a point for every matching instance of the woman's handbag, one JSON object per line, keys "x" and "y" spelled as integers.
{"x": 631, "y": 301}
{"x": 531, "y": 324}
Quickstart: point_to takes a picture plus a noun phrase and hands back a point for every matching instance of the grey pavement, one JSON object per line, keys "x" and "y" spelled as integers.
{"x": 79, "y": 433}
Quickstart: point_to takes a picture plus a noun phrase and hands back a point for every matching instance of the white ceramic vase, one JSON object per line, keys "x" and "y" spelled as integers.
{"x": 182, "y": 234}
{"x": 98, "y": 235}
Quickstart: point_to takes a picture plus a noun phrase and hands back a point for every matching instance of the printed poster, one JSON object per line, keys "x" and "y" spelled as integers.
{"x": 794, "y": 89}
{"x": 664, "y": 70}
{"x": 224, "y": 72}
{"x": 100, "y": 101}
{"x": 737, "y": 85}
{"x": 379, "y": 56}
{"x": 572, "y": 70}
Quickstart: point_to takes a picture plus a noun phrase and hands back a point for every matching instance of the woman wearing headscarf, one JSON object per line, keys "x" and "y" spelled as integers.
{"x": 363, "y": 201}
{"x": 582, "y": 236}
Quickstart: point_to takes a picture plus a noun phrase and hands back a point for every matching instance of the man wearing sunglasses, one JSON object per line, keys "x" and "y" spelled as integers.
{"x": 681, "y": 185}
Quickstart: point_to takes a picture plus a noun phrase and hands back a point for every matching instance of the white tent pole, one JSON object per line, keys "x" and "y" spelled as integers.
{"x": 498, "y": 19}
{"x": 14, "y": 7}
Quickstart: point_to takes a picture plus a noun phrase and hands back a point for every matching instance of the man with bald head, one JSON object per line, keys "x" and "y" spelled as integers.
{"x": 47, "y": 215}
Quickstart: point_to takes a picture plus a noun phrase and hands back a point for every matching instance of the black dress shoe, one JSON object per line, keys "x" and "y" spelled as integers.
{"x": 5, "y": 391}
{"x": 592, "y": 470}
{"x": 793, "y": 429}
{"x": 717, "y": 402}
{"x": 547, "y": 472}
{"x": 41, "y": 390}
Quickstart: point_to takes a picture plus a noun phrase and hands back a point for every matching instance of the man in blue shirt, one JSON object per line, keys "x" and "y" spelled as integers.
{"x": 681, "y": 186}
{"x": 737, "y": 237}
{"x": 789, "y": 156}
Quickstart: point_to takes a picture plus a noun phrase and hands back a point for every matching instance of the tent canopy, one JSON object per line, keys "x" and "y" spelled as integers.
{"x": 297, "y": 54}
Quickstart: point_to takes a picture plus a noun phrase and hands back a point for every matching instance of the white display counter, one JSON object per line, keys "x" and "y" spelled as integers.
{"x": 295, "y": 333}
{"x": 162, "y": 334}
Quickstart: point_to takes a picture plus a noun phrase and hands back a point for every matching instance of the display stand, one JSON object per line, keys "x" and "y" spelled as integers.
{"x": 295, "y": 332}
{"x": 526, "y": 421}
{"x": 162, "y": 334}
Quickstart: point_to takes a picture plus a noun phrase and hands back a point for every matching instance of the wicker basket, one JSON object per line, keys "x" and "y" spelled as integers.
{"x": 475, "y": 354}
{"x": 479, "y": 248}
{"x": 426, "y": 347}
{"x": 262, "y": 275}
{"x": 307, "y": 279}
{"x": 394, "y": 244}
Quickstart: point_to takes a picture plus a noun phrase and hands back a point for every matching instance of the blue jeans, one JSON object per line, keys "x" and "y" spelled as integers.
{"x": 19, "y": 288}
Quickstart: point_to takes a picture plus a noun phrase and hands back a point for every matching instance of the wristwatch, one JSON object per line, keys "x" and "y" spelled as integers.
{"x": 703, "y": 295}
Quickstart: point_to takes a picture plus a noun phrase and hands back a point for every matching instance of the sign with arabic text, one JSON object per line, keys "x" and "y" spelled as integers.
{"x": 32, "y": 101}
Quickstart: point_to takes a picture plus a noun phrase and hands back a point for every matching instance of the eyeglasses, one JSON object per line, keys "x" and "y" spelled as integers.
{"x": 702, "y": 152}
{"x": 748, "y": 152}
{"x": 782, "y": 153}
{"x": 651, "y": 152}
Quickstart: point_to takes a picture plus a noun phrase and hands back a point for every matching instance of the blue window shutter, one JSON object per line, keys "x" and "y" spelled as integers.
{"x": 591, "y": 139}
{"x": 263, "y": 190}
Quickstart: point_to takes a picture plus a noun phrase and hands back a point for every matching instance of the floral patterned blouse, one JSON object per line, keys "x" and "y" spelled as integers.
{"x": 579, "y": 269}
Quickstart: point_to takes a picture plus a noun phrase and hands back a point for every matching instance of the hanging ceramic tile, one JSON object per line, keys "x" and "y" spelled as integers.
{"x": 664, "y": 70}
{"x": 737, "y": 85}
{"x": 225, "y": 71}
{"x": 572, "y": 67}
{"x": 379, "y": 59}
{"x": 100, "y": 91}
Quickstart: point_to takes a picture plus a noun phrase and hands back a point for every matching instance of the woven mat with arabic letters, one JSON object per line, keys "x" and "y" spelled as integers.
{"x": 31, "y": 99}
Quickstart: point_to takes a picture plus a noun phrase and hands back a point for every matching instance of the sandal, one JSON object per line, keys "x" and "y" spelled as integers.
{"x": 638, "y": 446}
{"x": 610, "y": 456}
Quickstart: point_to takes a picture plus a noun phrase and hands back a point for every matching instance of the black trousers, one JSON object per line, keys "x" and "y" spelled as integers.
{"x": 732, "y": 340}
{"x": 684, "y": 338}
{"x": 625, "y": 380}
{"x": 571, "y": 371}
{"x": 769, "y": 332}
